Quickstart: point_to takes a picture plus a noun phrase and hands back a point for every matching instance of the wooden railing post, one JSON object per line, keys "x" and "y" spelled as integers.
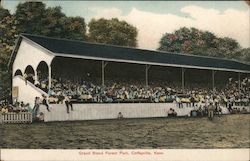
{"x": 11, "y": 117}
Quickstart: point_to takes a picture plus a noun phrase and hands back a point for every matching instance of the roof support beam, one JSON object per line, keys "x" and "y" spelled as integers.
{"x": 239, "y": 82}
{"x": 104, "y": 64}
{"x": 183, "y": 79}
{"x": 213, "y": 79}
{"x": 146, "y": 74}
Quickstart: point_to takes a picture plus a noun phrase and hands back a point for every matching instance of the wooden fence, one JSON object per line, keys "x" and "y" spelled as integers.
{"x": 12, "y": 117}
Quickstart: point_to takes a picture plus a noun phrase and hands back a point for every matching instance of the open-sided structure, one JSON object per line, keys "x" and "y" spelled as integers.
{"x": 41, "y": 56}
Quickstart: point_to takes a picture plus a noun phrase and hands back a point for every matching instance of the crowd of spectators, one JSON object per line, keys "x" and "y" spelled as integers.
{"x": 20, "y": 107}
{"x": 198, "y": 96}
{"x": 112, "y": 92}
{"x": 118, "y": 91}
{"x": 17, "y": 107}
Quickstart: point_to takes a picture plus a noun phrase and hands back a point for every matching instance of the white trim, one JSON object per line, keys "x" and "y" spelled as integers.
{"x": 32, "y": 85}
{"x": 18, "y": 39}
{"x": 34, "y": 44}
{"x": 149, "y": 63}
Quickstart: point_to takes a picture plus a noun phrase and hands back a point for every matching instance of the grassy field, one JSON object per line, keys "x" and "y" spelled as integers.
{"x": 227, "y": 131}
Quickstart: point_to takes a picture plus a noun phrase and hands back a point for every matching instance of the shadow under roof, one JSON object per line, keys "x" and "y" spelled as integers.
{"x": 67, "y": 48}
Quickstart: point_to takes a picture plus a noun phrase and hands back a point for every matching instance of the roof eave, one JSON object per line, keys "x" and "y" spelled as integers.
{"x": 146, "y": 62}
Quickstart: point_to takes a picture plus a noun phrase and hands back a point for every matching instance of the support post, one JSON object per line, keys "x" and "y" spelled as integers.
{"x": 239, "y": 82}
{"x": 49, "y": 78}
{"x": 213, "y": 79}
{"x": 183, "y": 78}
{"x": 103, "y": 71}
{"x": 35, "y": 76}
{"x": 146, "y": 74}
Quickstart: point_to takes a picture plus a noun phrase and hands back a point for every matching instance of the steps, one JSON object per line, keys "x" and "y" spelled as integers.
{"x": 27, "y": 92}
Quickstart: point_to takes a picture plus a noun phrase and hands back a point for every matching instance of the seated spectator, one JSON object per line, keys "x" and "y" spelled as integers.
{"x": 120, "y": 116}
{"x": 4, "y": 110}
{"x": 172, "y": 113}
{"x": 41, "y": 116}
{"x": 10, "y": 108}
{"x": 200, "y": 111}
{"x": 28, "y": 108}
{"x": 244, "y": 110}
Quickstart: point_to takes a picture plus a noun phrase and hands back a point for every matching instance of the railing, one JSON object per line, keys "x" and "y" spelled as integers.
{"x": 33, "y": 86}
{"x": 12, "y": 117}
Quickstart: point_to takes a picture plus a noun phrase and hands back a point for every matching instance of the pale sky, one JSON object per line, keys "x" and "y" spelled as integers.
{"x": 153, "y": 19}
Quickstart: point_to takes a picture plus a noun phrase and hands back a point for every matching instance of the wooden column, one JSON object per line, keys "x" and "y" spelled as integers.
{"x": 104, "y": 64}
{"x": 146, "y": 74}
{"x": 183, "y": 79}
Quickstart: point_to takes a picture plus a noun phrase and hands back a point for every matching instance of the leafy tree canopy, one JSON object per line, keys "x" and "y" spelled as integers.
{"x": 113, "y": 32}
{"x": 35, "y": 18}
{"x": 197, "y": 42}
{"x": 4, "y": 13}
{"x": 244, "y": 55}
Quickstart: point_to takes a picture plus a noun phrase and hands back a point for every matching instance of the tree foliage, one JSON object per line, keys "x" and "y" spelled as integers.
{"x": 29, "y": 16}
{"x": 113, "y": 32}
{"x": 75, "y": 28}
{"x": 4, "y": 13}
{"x": 8, "y": 35}
{"x": 35, "y": 18}
{"x": 197, "y": 42}
{"x": 244, "y": 55}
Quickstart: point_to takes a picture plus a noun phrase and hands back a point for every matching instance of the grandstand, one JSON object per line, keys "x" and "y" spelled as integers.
{"x": 48, "y": 66}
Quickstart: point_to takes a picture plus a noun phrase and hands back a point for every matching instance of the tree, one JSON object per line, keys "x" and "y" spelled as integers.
{"x": 75, "y": 28}
{"x": 53, "y": 22}
{"x": 245, "y": 55}
{"x": 4, "y": 13}
{"x": 29, "y": 16}
{"x": 113, "y": 32}
{"x": 197, "y": 42}
{"x": 35, "y": 18}
{"x": 8, "y": 36}
{"x": 227, "y": 48}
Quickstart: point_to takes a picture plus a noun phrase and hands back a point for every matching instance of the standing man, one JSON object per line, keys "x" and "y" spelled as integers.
{"x": 210, "y": 111}
{"x": 36, "y": 107}
{"x": 178, "y": 101}
{"x": 68, "y": 103}
{"x": 46, "y": 102}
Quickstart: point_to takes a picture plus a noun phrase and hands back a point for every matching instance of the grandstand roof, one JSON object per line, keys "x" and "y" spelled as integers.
{"x": 81, "y": 49}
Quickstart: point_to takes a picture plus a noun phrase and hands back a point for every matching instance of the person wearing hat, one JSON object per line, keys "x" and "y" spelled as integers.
{"x": 68, "y": 103}
{"x": 45, "y": 101}
{"x": 210, "y": 110}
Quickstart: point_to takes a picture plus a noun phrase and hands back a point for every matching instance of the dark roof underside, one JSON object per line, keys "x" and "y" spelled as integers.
{"x": 63, "y": 47}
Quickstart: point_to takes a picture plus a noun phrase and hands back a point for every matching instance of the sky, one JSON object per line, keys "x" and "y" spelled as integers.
{"x": 154, "y": 18}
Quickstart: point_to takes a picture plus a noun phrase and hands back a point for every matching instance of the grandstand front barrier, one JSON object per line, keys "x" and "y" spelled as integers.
{"x": 98, "y": 111}
{"x": 12, "y": 117}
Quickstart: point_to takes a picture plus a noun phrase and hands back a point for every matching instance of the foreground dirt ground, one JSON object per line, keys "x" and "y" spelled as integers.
{"x": 228, "y": 131}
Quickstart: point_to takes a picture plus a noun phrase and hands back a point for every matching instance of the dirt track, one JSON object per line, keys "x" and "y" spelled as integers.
{"x": 231, "y": 131}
